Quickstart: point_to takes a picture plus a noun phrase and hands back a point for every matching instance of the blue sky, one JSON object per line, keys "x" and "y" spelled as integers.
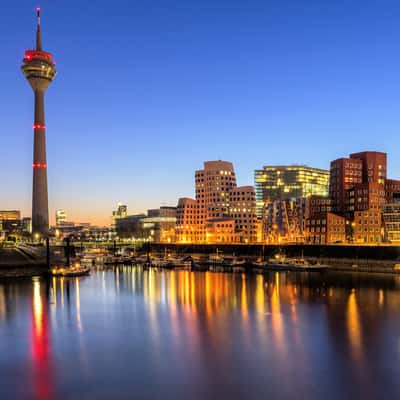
{"x": 148, "y": 90}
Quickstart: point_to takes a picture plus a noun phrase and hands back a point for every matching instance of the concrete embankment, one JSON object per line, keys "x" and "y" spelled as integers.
{"x": 358, "y": 265}
{"x": 382, "y": 252}
{"x": 16, "y": 262}
{"x": 377, "y": 259}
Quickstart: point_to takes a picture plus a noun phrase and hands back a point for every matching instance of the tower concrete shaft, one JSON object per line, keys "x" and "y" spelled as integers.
{"x": 39, "y": 70}
{"x": 40, "y": 207}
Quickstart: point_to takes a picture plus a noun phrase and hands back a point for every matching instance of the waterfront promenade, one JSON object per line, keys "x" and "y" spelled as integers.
{"x": 26, "y": 260}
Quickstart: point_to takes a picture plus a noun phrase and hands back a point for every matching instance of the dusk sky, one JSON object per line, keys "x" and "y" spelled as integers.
{"x": 148, "y": 90}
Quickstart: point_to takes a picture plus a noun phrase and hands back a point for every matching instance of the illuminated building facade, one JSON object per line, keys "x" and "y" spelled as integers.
{"x": 120, "y": 212}
{"x": 283, "y": 221}
{"x": 217, "y": 196}
{"x": 157, "y": 225}
{"x": 318, "y": 205}
{"x": 392, "y": 191}
{"x": 366, "y": 196}
{"x": 213, "y": 184}
{"x": 289, "y": 182}
{"x": 373, "y": 166}
{"x": 391, "y": 222}
{"x": 12, "y": 215}
{"x": 352, "y": 174}
{"x": 160, "y": 223}
{"x": 27, "y": 224}
{"x": 61, "y": 217}
{"x": 358, "y": 191}
{"x": 39, "y": 69}
{"x": 188, "y": 227}
{"x": 367, "y": 226}
{"x": 242, "y": 208}
{"x": 344, "y": 174}
{"x": 10, "y": 221}
{"x": 326, "y": 228}
{"x": 221, "y": 230}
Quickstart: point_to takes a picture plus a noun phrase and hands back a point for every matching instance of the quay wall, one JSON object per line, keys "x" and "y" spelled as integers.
{"x": 349, "y": 254}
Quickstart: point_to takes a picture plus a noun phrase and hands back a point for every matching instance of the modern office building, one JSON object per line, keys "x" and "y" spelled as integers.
{"x": 39, "y": 69}
{"x": 157, "y": 225}
{"x": 353, "y": 174}
{"x": 316, "y": 205}
{"x": 10, "y": 221}
{"x": 242, "y": 208}
{"x": 120, "y": 212}
{"x": 359, "y": 191}
{"x": 326, "y": 228}
{"x": 213, "y": 184}
{"x": 345, "y": 173}
{"x": 365, "y": 196}
{"x": 217, "y": 198}
{"x": 221, "y": 230}
{"x": 27, "y": 224}
{"x": 392, "y": 191}
{"x": 188, "y": 228}
{"x": 391, "y": 222}
{"x": 373, "y": 166}
{"x": 131, "y": 226}
{"x": 61, "y": 217}
{"x": 367, "y": 226}
{"x": 10, "y": 215}
{"x": 283, "y": 221}
{"x": 161, "y": 223}
{"x": 285, "y": 182}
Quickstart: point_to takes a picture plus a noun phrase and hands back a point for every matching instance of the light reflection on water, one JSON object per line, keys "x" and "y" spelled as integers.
{"x": 177, "y": 334}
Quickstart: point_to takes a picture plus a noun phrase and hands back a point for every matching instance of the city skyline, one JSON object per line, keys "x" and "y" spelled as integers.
{"x": 283, "y": 107}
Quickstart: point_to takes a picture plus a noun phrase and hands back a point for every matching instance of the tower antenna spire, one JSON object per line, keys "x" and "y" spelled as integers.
{"x": 38, "y": 33}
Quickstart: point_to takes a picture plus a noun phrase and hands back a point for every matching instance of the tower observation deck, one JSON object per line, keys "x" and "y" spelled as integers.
{"x": 39, "y": 69}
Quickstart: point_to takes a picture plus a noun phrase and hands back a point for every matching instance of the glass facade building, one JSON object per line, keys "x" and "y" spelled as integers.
{"x": 391, "y": 222}
{"x": 285, "y": 182}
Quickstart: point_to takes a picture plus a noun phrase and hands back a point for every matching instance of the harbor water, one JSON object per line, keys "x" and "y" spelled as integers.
{"x": 127, "y": 333}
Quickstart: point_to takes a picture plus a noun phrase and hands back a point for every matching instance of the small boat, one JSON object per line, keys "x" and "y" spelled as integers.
{"x": 139, "y": 260}
{"x": 180, "y": 263}
{"x": 293, "y": 264}
{"x": 92, "y": 257}
{"x": 159, "y": 263}
{"x": 71, "y": 271}
{"x": 234, "y": 261}
{"x": 114, "y": 260}
{"x": 259, "y": 264}
{"x": 126, "y": 260}
{"x": 215, "y": 259}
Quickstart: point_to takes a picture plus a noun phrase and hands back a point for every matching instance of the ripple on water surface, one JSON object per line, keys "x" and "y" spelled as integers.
{"x": 129, "y": 333}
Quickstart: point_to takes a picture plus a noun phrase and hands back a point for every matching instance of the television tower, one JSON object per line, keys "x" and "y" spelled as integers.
{"x": 39, "y": 70}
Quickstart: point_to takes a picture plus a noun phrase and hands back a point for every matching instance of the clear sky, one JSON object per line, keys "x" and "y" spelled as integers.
{"x": 148, "y": 90}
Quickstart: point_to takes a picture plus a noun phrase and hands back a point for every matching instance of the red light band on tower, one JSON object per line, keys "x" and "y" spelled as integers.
{"x": 38, "y": 126}
{"x": 30, "y": 54}
{"x": 39, "y": 165}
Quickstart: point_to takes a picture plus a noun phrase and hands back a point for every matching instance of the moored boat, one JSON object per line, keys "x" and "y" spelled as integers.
{"x": 293, "y": 264}
{"x": 71, "y": 271}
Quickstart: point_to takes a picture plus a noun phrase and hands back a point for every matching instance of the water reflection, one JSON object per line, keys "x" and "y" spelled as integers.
{"x": 40, "y": 342}
{"x": 223, "y": 335}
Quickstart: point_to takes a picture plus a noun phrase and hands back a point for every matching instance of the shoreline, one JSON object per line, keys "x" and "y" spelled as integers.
{"x": 334, "y": 265}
